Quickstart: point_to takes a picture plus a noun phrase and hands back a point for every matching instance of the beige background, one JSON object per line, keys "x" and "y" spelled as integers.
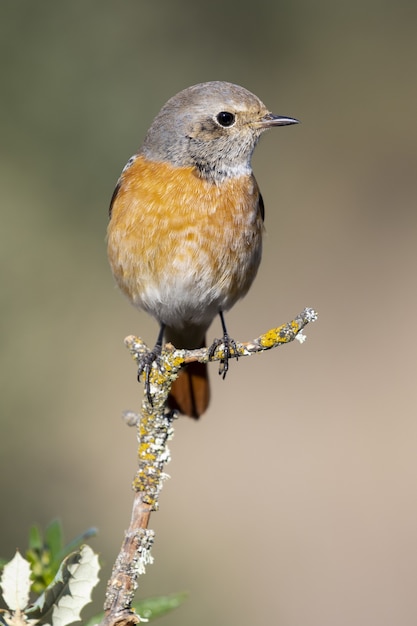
{"x": 294, "y": 500}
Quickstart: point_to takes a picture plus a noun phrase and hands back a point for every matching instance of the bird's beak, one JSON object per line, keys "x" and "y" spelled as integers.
{"x": 269, "y": 120}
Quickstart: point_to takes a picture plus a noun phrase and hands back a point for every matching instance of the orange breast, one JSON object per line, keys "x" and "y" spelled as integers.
{"x": 181, "y": 247}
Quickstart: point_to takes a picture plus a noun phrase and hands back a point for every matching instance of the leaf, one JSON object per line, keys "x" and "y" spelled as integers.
{"x": 45, "y": 603}
{"x": 35, "y": 538}
{"x": 70, "y": 591}
{"x": 15, "y": 582}
{"x": 150, "y": 608}
{"x": 84, "y": 579}
{"x": 46, "y": 554}
{"x": 54, "y": 538}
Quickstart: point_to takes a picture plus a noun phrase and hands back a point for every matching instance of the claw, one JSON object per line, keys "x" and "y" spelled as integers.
{"x": 146, "y": 362}
{"x": 230, "y": 349}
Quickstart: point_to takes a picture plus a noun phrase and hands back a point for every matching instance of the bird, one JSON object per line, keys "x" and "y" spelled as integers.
{"x": 185, "y": 229}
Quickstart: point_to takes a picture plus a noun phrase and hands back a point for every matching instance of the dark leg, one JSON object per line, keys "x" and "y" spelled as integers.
{"x": 145, "y": 365}
{"x": 230, "y": 348}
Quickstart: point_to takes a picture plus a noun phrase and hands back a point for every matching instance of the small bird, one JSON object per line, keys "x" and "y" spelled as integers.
{"x": 186, "y": 222}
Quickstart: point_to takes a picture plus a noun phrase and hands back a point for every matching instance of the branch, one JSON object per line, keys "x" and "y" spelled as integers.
{"x": 154, "y": 431}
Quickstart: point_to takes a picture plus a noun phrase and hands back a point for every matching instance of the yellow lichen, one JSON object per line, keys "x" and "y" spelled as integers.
{"x": 269, "y": 338}
{"x": 282, "y": 334}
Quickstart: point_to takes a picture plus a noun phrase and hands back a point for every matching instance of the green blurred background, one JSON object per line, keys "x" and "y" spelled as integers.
{"x": 294, "y": 500}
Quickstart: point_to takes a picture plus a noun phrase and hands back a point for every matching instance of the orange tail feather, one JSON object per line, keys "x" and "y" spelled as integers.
{"x": 190, "y": 392}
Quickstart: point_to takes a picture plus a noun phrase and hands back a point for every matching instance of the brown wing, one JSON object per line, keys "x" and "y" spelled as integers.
{"x": 261, "y": 207}
{"x": 113, "y": 198}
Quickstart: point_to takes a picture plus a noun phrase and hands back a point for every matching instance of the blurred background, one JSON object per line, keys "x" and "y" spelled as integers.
{"x": 294, "y": 500}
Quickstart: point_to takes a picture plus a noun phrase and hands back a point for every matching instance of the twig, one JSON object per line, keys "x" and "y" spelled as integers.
{"x": 154, "y": 431}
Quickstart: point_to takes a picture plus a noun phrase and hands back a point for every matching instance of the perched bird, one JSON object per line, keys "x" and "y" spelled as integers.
{"x": 186, "y": 222}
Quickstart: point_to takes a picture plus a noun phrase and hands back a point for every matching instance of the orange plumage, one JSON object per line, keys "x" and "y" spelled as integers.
{"x": 184, "y": 248}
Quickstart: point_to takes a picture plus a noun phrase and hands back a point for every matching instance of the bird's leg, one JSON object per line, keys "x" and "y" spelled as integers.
{"x": 230, "y": 348}
{"x": 148, "y": 359}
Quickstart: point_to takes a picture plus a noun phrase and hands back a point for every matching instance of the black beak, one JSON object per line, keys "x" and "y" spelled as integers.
{"x": 269, "y": 120}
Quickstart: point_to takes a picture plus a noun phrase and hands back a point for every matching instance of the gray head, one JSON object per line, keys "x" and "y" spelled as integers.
{"x": 212, "y": 126}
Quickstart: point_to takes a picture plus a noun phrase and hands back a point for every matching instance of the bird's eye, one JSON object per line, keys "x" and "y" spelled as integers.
{"x": 225, "y": 118}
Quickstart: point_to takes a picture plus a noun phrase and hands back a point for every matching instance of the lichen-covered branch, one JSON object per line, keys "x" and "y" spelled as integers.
{"x": 166, "y": 370}
{"x": 134, "y": 555}
{"x": 155, "y": 429}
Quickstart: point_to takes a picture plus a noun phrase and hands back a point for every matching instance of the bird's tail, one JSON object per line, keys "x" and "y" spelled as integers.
{"x": 190, "y": 392}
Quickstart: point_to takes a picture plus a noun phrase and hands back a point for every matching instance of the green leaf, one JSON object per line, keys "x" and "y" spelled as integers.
{"x": 15, "y": 582}
{"x": 150, "y": 608}
{"x": 46, "y": 554}
{"x": 35, "y": 538}
{"x": 54, "y": 538}
{"x": 69, "y": 592}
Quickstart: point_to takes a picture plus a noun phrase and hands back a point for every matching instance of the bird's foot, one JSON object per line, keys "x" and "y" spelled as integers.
{"x": 145, "y": 367}
{"x": 230, "y": 351}
{"x": 146, "y": 362}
